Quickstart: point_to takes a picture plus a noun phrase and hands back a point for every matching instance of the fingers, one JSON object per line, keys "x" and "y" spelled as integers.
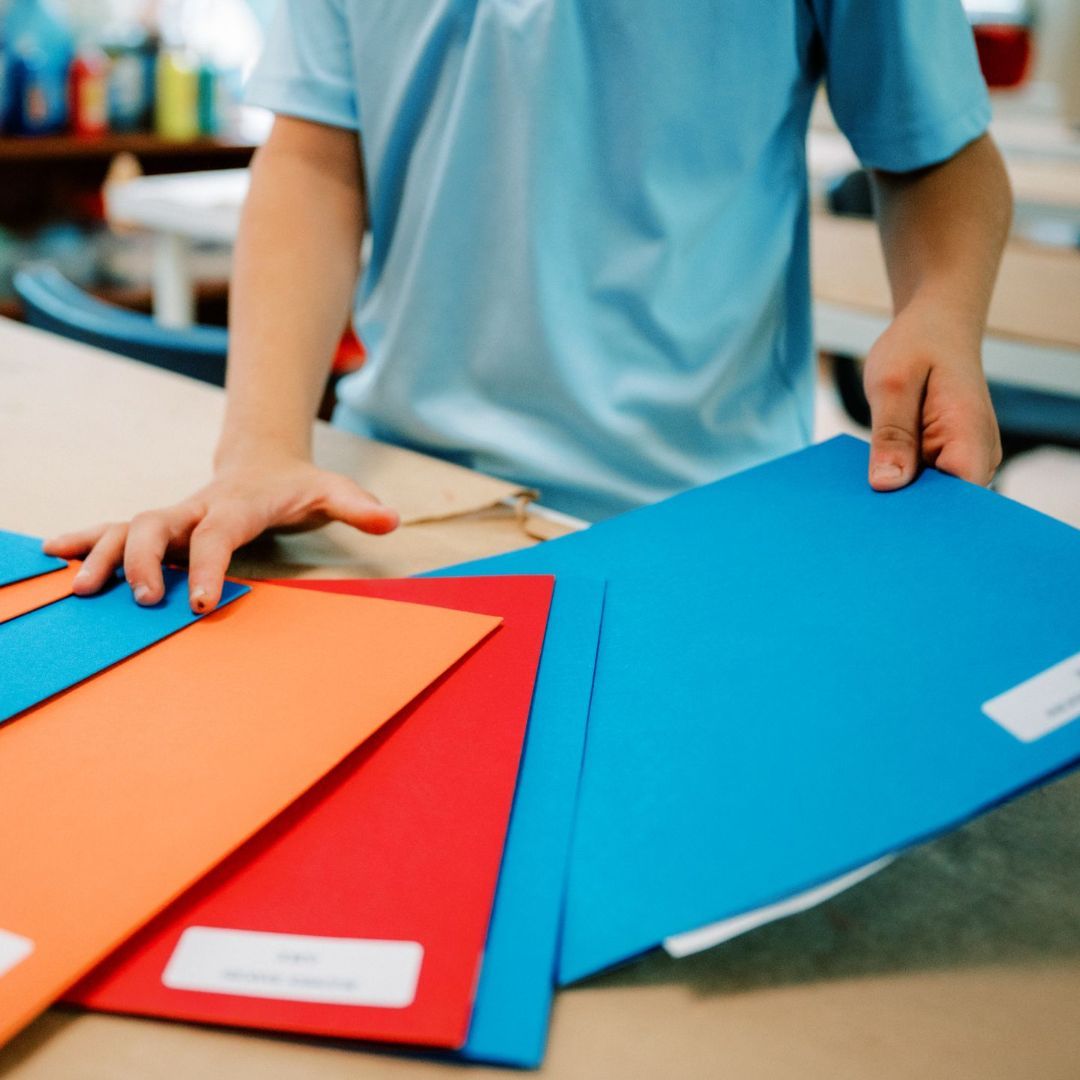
{"x": 973, "y": 456}
{"x": 149, "y": 537}
{"x": 211, "y": 549}
{"x": 895, "y": 398}
{"x": 104, "y": 558}
{"x": 348, "y": 502}
{"x": 74, "y": 545}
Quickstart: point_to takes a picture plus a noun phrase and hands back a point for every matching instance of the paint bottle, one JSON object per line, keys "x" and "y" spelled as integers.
{"x": 40, "y": 51}
{"x": 88, "y": 92}
{"x": 176, "y": 111}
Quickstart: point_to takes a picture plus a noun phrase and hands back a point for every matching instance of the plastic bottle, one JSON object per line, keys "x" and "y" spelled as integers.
{"x": 176, "y": 109}
{"x": 209, "y": 115}
{"x": 40, "y": 51}
{"x": 131, "y": 77}
{"x": 88, "y": 92}
{"x": 5, "y": 78}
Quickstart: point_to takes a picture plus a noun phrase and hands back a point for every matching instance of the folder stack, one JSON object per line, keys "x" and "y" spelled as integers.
{"x": 404, "y": 812}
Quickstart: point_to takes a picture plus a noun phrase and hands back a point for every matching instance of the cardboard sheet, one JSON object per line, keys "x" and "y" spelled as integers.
{"x": 55, "y": 647}
{"x": 384, "y": 872}
{"x": 21, "y": 557}
{"x": 118, "y": 796}
{"x": 798, "y": 676}
{"x": 33, "y": 593}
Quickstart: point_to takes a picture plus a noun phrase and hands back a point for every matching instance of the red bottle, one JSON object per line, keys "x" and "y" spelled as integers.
{"x": 88, "y": 90}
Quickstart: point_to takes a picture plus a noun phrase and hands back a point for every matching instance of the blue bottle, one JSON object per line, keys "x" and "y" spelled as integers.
{"x": 40, "y": 47}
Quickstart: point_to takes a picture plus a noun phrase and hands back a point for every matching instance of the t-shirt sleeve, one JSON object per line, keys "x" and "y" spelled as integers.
{"x": 903, "y": 79}
{"x": 306, "y": 66}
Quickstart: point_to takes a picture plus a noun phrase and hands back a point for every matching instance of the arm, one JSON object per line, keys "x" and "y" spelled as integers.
{"x": 297, "y": 260}
{"x": 943, "y": 230}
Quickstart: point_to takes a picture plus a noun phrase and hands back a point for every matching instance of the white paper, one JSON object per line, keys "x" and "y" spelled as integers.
{"x": 14, "y": 949}
{"x": 694, "y": 941}
{"x": 1041, "y": 704}
{"x": 296, "y": 967}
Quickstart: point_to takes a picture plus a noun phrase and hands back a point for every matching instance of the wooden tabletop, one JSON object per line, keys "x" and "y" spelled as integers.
{"x": 961, "y": 961}
{"x": 1036, "y": 299}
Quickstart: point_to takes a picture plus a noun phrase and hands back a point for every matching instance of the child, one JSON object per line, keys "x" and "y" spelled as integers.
{"x": 589, "y": 266}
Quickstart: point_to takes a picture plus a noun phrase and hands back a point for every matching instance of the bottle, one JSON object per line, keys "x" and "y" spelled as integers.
{"x": 131, "y": 83}
{"x": 209, "y": 117}
{"x": 88, "y": 92}
{"x": 176, "y": 109}
{"x": 5, "y": 79}
{"x": 40, "y": 54}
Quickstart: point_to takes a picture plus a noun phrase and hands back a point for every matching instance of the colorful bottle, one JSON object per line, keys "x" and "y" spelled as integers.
{"x": 5, "y": 82}
{"x": 40, "y": 50}
{"x": 209, "y": 115}
{"x": 88, "y": 92}
{"x": 176, "y": 111}
{"x": 132, "y": 58}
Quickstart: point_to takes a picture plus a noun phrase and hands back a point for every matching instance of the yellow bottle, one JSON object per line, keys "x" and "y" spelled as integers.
{"x": 176, "y": 111}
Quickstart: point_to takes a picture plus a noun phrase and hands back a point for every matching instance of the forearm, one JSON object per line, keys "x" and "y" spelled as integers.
{"x": 943, "y": 230}
{"x": 296, "y": 265}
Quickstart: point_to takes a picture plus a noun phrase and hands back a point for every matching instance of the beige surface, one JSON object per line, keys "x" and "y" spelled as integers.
{"x": 87, "y": 437}
{"x": 1045, "y": 175}
{"x": 1037, "y": 297}
{"x": 960, "y": 962}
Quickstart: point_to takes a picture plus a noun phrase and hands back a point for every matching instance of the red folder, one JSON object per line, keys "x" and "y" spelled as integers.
{"x": 361, "y": 912}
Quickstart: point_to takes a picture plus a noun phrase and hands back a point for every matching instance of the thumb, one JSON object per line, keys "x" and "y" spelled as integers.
{"x": 896, "y": 413}
{"x": 350, "y": 503}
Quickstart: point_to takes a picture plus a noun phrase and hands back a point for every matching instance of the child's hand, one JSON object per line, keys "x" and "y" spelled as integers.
{"x": 929, "y": 402}
{"x": 241, "y": 502}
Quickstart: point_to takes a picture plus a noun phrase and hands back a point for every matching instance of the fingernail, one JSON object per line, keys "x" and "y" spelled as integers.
{"x": 198, "y": 599}
{"x": 81, "y": 578}
{"x": 142, "y": 594}
{"x": 887, "y": 471}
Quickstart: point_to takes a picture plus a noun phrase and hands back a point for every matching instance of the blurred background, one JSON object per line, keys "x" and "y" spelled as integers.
{"x": 123, "y": 154}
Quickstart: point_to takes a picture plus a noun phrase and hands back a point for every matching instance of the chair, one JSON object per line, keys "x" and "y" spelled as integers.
{"x": 1027, "y": 418}
{"x": 53, "y": 303}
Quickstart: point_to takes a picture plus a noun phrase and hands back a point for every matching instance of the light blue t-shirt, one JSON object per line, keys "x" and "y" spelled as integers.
{"x": 589, "y": 217}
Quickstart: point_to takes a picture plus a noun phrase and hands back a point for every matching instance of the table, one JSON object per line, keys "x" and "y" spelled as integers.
{"x": 961, "y": 961}
{"x": 1033, "y": 332}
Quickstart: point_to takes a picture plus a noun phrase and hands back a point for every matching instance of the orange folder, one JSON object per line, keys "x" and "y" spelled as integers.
{"x": 36, "y": 592}
{"x": 119, "y": 794}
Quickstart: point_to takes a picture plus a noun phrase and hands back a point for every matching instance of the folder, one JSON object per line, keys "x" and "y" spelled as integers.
{"x": 21, "y": 557}
{"x": 53, "y": 648}
{"x": 798, "y": 676}
{"x": 517, "y": 980}
{"x": 33, "y": 593}
{"x": 118, "y": 796}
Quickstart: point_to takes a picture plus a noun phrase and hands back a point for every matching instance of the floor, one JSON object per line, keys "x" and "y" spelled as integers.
{"x": 1046, "y": 479}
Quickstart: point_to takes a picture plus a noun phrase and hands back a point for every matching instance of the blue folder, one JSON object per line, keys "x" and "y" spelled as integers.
{"x": 513, "y": 1000}
{"x": 21, "y": 557}
{"x": 55, "y": 647}
{"x": 790, "y": 684}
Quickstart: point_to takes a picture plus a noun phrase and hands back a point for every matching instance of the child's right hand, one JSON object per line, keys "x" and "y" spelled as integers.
{"x": 243, "y": 501}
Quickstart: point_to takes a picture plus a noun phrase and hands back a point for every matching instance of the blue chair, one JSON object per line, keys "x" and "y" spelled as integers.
{"x": 53, "y": 303}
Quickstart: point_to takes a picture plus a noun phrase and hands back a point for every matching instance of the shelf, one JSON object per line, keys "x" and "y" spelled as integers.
{"x": 35, "y": 148}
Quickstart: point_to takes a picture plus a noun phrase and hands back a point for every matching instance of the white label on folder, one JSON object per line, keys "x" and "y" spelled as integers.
{"x": 296, "y": 967}
{"x": 14, "y": 949}
{"x": 1040, "y": 705}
